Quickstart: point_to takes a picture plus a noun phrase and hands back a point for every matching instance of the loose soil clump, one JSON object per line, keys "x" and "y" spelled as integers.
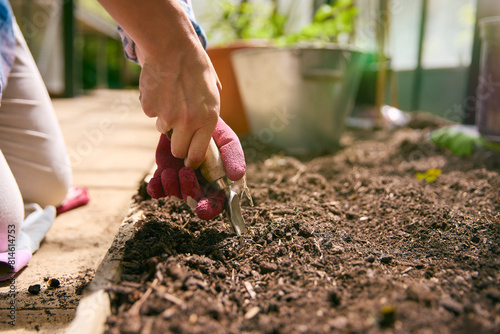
{"x": 350, "y": 241}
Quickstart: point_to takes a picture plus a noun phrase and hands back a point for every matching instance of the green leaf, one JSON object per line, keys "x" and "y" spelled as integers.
{"x": 461, "y": 141}
{"x": 429, "y": 176}
{"x": 323, "y": 13}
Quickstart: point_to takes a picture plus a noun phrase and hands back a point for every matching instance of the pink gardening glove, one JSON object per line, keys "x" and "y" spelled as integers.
{"x": 172, "y": 178}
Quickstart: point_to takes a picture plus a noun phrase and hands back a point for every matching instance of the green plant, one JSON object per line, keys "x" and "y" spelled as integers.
{"x": 264, "y": 20}
{"x": 330, "y": 22}
{"x": 248, "y": 20}
{"x": 461, "y": 140}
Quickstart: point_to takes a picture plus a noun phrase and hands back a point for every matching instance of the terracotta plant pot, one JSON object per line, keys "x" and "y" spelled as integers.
{"x": 232, "y": 110}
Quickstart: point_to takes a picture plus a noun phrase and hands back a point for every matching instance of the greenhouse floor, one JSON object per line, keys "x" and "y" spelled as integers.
{"x": 111, "y": 144}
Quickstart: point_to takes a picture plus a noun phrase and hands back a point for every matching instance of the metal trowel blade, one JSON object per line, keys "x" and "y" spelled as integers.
{"x": 234, "y": 213}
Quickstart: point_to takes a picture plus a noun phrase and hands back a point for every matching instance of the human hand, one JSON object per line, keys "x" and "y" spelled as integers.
{"x": 173, "y": 178}
{"x": 178, "y": 83}
{"x": 183, "y": 91}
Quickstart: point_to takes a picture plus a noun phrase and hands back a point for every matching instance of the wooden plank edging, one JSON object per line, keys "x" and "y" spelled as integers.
{"x": 94, "y": 308}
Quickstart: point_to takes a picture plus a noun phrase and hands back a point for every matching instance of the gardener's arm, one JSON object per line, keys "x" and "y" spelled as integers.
{"x": 178, "y": 83}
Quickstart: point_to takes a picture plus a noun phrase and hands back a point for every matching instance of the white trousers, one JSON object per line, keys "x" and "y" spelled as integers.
{"x": 34, "y": 166}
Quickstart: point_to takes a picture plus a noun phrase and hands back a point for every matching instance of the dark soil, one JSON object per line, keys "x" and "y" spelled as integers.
{"x": 349, "y": 242}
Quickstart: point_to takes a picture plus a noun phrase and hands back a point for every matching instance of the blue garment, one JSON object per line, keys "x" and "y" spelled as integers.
{"x": 129, "y": 44}
{"x": 7, "y": 42}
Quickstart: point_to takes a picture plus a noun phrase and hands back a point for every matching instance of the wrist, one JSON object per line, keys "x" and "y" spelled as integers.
{"x": 159, "y": 28}
{"x": 172, "y": 36}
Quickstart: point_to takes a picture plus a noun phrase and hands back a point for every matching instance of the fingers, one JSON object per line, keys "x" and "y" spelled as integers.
{"x": 162, "y": 126}
{"x": 190, "y": 136}
{"x": 164, "y": 183}
{"x": 189, "y": 185}
{"x": 199, "y": 145}
{"x": 231, "y": 151}
{"x": 164, "y": 157}
{"x": 180, "y": 140}
{"x": 170, "y": 183}
{"x": 163, "y": 152}
{"x": 184, "y": 144}
{"x": 184, "y": 184}
{"x": 234, "y": 160}
{"x": 184, "y": 95}
{"x": 192, "y": 148}
{"x": 207, "y": 207}
{"x": 155, "y": 188}
{"x": 210, "y": 207}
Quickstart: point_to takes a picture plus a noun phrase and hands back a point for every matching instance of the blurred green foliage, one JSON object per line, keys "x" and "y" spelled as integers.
{"x": 95, "y": 8}
{"x": 248, "y": 20}
{"x": 102, "y": 59}
{"x": 329, "y": 23}
{"x": 461, "y": 140}
{"x": 103, "y": 64}
{"x": 263, "y": 20}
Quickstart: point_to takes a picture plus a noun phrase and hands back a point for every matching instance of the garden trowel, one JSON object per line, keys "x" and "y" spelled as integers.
{"x": 213, "y": 171}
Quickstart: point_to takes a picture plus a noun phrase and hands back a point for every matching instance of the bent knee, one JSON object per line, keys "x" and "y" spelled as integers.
{"x": 51, "y": 189}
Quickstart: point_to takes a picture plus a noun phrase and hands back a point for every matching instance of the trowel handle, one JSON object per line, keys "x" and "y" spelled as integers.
{"x": 212, "y": 168}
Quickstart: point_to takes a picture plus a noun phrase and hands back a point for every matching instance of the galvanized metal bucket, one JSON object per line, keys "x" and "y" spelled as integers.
{"x": 298, "y": 99}
{"x": 488, "y": 94}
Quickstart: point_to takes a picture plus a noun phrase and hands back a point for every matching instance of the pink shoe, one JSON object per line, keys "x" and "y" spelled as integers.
{"x": 12, "y": 262}
{"x": 76, "y": 197}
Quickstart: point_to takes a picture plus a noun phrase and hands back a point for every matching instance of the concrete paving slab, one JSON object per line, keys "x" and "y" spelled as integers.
{"x": 120, "y": 179}
{"x": 47, "y": 321}
{"x": 114, "y": 158}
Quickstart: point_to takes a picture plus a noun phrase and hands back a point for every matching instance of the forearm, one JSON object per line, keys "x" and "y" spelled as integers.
{"x": 178, "y": 84}
{"x": 158, "y": 27}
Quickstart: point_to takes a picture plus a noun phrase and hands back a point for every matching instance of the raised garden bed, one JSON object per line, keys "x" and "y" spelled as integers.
{"x": 351, "y": 241}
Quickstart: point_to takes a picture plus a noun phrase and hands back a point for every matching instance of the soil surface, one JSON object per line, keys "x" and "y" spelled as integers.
{"x": 350, "y": 242}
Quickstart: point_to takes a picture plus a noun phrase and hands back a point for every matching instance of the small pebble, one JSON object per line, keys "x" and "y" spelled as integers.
{"x": 336, "y": 249}
{"x": 268, "y": 267}
{"x": 54, "y": 283}
{"x": 407, "y": 270}
{"x": 428, "y": 274}
{"x": 34, "y": 289}
{"x": 386, "y": 259}
{"x": 452, "y": 306}
{"x": 493, "y": 294}
{"x": 193, "y": 318}
{"x": 252, "y": 312}
{"x": 339, "y": 323}
{"x": 334, "y": 298}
